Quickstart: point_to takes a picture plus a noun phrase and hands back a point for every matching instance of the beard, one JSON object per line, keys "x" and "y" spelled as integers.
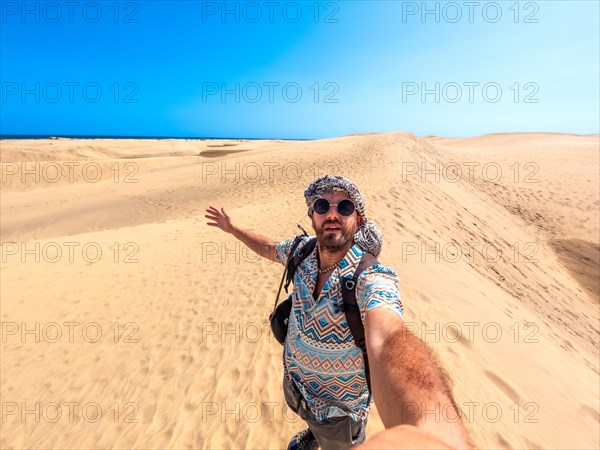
{"x": 334, "y": 241}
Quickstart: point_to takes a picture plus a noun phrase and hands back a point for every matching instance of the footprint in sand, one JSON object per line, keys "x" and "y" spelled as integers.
{"x": 502, "y": 443}
{"x": 458, "y": 336}
{"x": 503, "y": 386}
{"x": 425, "y": 298}
{"x": 189, "y": 407}
{"x": 590, "y": 411}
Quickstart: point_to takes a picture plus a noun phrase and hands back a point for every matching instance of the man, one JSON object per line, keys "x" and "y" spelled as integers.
{"x": 324, "y": 374}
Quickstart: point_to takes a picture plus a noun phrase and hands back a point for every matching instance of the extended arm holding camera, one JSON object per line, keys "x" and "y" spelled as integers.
{"x": 411, "y": 390}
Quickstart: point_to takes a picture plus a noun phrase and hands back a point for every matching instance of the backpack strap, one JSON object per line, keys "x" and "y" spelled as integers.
{"x": 294, "y": 261}
{"x": 352, "y": 310}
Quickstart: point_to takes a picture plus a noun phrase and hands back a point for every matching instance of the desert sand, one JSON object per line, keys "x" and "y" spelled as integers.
{"x": 127, "y": 322}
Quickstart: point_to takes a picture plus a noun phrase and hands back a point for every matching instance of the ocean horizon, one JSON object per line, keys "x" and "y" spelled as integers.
{"x": 91, "y": 136}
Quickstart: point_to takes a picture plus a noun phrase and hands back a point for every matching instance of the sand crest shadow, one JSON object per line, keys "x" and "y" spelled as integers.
{"x": 582, "y": 259}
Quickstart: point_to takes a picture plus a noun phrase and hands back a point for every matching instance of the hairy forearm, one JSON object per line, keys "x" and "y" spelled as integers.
{"x": 261, "y": 245}
{"x": 411, "y": 388}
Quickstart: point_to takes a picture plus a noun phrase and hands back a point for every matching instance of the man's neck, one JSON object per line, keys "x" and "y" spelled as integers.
{"x": 326, "y": 258}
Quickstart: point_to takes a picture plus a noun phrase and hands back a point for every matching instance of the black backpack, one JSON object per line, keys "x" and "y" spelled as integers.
{"x": 279, "y": 318}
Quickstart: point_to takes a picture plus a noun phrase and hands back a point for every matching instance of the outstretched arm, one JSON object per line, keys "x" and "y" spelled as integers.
{"x": 411, "y": 390}
{"x": 261, "y": 245}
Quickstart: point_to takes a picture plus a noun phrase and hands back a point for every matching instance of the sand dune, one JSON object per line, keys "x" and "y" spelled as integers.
{"x": 127, "y": 322}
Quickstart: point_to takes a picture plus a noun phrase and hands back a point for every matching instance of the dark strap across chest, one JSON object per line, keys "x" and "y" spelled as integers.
{"x": 352, "y": 310}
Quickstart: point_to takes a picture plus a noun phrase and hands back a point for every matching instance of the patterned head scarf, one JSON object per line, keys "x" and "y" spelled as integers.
{"x": 368, "y": 236}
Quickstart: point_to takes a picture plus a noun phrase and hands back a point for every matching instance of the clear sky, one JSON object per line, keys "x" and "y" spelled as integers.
{"x": 302, "y": 69}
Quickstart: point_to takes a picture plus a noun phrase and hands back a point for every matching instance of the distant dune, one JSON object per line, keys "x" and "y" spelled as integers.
{"x": 496, "y": 240}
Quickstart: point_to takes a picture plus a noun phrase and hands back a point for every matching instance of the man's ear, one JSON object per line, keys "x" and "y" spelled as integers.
{"x": 360, "y": 220}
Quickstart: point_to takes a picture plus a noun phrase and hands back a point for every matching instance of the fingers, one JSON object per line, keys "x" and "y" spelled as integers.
{"x": 215, "y": 214}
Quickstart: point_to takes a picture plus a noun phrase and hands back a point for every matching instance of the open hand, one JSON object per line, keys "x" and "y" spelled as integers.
{"x": 221, "y": 219}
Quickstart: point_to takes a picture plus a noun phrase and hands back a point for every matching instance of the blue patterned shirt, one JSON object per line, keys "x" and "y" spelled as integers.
{"x": 320, "y": 355}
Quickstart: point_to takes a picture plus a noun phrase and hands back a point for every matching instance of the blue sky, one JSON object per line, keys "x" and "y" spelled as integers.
{"x": 302, "y": 69}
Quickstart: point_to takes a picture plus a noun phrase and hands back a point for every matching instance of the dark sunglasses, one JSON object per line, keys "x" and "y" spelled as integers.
{"x": 344, "y": 208}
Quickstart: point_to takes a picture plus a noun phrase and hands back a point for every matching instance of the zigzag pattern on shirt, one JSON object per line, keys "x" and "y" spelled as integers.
{"x": 337, "y": 391}
{"x": 324, "y": 322}
{"x": 339, "y": 360}
{"x": 345, "y": 391}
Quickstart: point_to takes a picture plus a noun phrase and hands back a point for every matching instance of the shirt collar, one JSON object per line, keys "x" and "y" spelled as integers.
{"x": 350, "y": 261}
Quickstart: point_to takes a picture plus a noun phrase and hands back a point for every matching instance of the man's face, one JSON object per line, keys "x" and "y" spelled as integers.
{"x": 346, "y": 226}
